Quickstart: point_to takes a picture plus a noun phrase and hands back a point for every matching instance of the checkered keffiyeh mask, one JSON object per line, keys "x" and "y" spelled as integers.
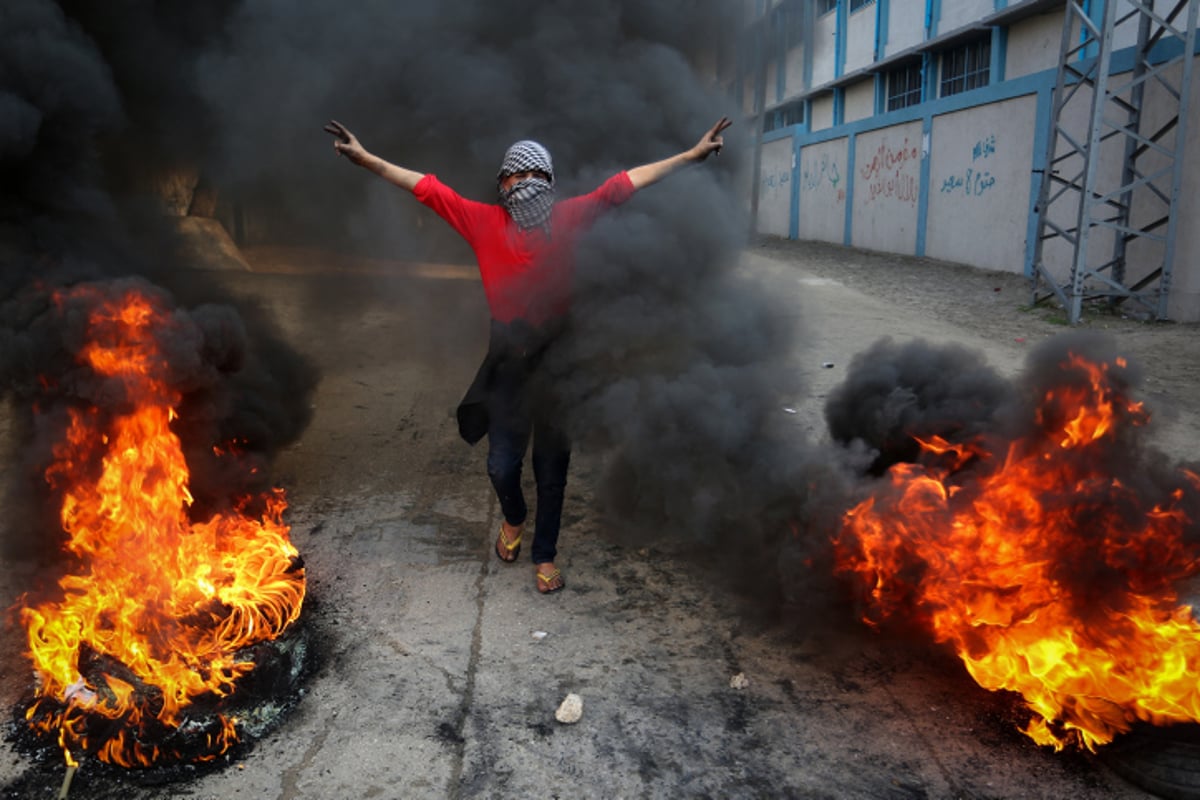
{"x": 530, "y": 201}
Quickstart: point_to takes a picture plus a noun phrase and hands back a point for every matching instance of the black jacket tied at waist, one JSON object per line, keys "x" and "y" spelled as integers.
{"x": 515, "y": 346}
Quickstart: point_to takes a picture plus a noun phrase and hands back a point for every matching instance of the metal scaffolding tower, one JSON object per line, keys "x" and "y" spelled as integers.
{"x": 1114, "y": 160}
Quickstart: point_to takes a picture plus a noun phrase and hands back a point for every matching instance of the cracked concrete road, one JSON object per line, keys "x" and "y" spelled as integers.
{"x": 430, "y": 681}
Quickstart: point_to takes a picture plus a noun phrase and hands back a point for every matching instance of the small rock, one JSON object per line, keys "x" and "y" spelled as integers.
{"x": 739, "y": 681}
{"x": 827, "y": 365}
{"x": 570, "y": 710}
{"x": 539, "y": 635}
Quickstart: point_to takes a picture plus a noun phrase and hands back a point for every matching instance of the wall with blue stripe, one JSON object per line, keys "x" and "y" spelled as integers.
{"x": 953, "y": 178}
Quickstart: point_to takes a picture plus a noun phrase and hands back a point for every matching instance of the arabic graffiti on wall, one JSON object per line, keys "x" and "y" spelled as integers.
{"x": 818, "y": 173}
{"x": 889, "y": 173}
{"x": 973, "y": 180}
{"x": 777, "y": 180}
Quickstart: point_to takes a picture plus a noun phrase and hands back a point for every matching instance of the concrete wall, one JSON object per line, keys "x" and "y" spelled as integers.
{"x": 887, "y": 177}
{"x": 906, "y": 25}
{"x": 1126, "y": 35}
{"x": 1033, "y": 45}
{"x": 794, "y": 72}
{"x": 823, "y": 181}
{"x": 979, "y": 184}
{"x": 775, "y": 188}
{"x": 1144, "y": 256}
{"x": 1057, "y": 253}
{"x": 966, "y": 192}
{"x": 824, "y": 48}
{"x": 1184, "y": 300}
{"x": 860, "y": 100}
{"x": 958, "y": 13}
{"x": 860, "y": 38}
{"x": 822, "y": 112}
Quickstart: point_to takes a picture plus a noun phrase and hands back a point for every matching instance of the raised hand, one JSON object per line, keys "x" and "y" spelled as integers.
{"x": 346, "y": 143}
{"x": 712, "y": 141}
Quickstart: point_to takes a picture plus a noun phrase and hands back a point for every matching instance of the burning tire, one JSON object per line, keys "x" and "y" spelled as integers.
{"x": 1165, "y": 761}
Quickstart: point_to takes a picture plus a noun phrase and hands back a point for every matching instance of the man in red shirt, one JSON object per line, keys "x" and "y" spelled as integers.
{"x": 523, "y": 246}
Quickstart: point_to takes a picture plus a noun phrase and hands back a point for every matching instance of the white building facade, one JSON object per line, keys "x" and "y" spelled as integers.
{"x": 920, "y": 127}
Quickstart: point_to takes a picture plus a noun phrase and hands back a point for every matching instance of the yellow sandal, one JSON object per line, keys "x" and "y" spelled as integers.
{"x": 507, "y": 551}
{"x": 545, "y": 583}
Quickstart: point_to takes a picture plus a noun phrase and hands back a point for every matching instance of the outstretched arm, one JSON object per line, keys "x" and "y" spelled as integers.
{"x": 711, "y": 142}
{"x": 347, "y": 144}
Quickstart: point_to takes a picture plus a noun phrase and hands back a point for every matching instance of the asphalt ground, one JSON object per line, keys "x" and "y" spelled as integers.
{"x": 436, "y": 670}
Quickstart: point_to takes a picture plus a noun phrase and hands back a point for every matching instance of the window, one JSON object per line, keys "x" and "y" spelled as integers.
{"x": 904, "y": 86}
{"x": 787, "y": 24}
{"x": 825, "y": 6}
{"x": 795, "y": 24}
{"x": 783, "y": 116}
{"x": 855, "y": 5}
{"x": 966, "y": 67}
{"x": 777, "y": 24}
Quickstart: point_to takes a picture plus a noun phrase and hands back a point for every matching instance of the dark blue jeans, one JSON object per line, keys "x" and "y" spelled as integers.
{"x": 513, "y": 417}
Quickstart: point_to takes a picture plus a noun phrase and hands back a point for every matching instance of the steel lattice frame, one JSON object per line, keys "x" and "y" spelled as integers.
{"x": 1074, "y": 207}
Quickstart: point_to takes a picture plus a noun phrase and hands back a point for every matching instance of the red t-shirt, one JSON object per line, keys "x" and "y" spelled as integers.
{"x": 526, "y": 274}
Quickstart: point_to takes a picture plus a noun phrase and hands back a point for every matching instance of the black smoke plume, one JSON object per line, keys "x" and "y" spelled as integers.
{"x": 677, "y": 369}
{"x": 445, "y": 88}
{"x": 98, "y": 110}
{"x": 896, "y": 393}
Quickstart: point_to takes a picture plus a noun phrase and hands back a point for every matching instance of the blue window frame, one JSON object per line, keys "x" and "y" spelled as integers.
{"x": 783, "y": 116}
{"x": 904, "y": 86}
{"x": 966, "y": 67}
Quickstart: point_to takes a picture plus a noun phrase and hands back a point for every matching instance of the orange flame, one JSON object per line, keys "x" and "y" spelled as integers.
{"x": 157, "y": 607}
{"x": 985, "y": 551}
